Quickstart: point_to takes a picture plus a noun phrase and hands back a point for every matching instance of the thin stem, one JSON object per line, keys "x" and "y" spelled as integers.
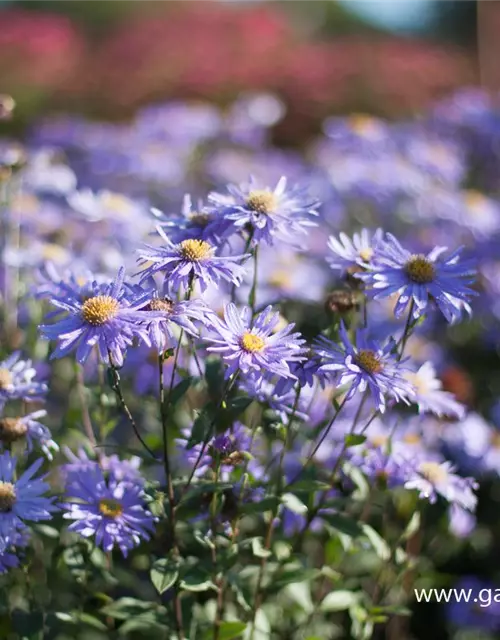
{"x": 245, "y": 250}
{"x": 272, "y": 521}
{"x": 115, "y": 385}
{"x": 314, "y": 450}
{"x": 87, "y": 422}
{"x": 170, "y": 487}
{"x": 253, "y": 290}
{"x": 410, "y": 323}
{"x": 229, "y": 385}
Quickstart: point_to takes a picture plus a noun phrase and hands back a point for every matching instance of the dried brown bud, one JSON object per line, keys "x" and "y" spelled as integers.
{"x": 342, "y": 301}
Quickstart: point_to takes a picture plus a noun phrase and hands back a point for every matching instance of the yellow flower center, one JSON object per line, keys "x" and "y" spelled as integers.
{"x": 12, "y": 429}
{"x": 412, "y": 438}
{"x": 5, "y": 378}
{"x": 474, "y": 199}
{"x": 115, "y": 202}
{"x": 7, "y": 496}
{"x": 420, "y": 269}
{"x": 362, "y": 124}
{"x": 251, "y": 343}
{"x": 368, "y": 361}
{"x": 379, "y": 441}
{"x": 158, "y": 304}
{"x": 262, "y": 201}
{"x": 495, "y": 439}
{"x": 110, "y": 508}
{"x": 433, "y": 472}
{"x": 195, "y": 250}
{"x": 99, "y": 310}
{"x": 366, "y": 254}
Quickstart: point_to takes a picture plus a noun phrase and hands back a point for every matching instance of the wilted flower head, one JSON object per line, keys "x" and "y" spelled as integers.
{"x": 27, "y": 428}
{"x": 267, "y": 214}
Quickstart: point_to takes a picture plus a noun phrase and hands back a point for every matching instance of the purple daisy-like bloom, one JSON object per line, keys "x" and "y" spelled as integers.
{"x": 112, "y": 510}
{"x": 121, "y": 469}
{"x": 17, "y": 381}
{"x": 433, "y": 479}
{"x": 9, "y": 558}
{"x": 383, "y": 467}
{"x": 21, "y": 500}
{"x": 360, "y": 251}
{"x": 422, "y": 278}
{"x": 190, "y": 260}
{"x": 228, "y": 449}
{"x": 430, "y": 395}
{"x": 366, "y": 365}
{"x": 200, "y": 223}
{"x": 106, "y": 316}
{"x": 30, "y": 429}
{"x": 282, "y": 213}
{"x": 254, "y": 346}
{"x": 171, "y": 315}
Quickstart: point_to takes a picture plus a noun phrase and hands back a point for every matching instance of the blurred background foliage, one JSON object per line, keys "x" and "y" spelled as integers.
{"x": 109, "y": 57}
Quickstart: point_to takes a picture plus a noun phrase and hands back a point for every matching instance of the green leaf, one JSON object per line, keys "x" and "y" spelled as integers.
{"x": 163, "y": 574}
{"x": 353, "y": 440}
{"x": 238, "y": 405}
{"x": 343, "y": 524}
{"x": 310, "y": 485}
{"x": 125, "y": 608}
{"x": 197, "y": 581}
{"x": 201, "y": 429}
{"x": 379, "y": 545}
{"x": 339, "y": 600}
{"x": 293, "y": 503}
{"x": 227, "y": 631}
{"x": 180, "y": 389}
{"x": 258, "y": 548}
{"x": 269, "y": 503}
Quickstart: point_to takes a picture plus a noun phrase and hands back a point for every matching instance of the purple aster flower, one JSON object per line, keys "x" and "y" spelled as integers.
{"x": 422, "y": 278}
{"x": 255, "y": 345}
{"x": 200, "y": 223}
{"x": 368, "y": 365}
{"x": 462, "y": 522}
{"x": 430, "y": 395}
{"x": 280, "y": 400}
{"x": 280, "y": 213}
{"x": 358, "y": 252}
{"x": 30, "y": 429}
{"x": 109, "y": 319}
{"x": 112, "y": 510}
{"x": 121, "y": 469}
{"x": 433, "y": 479}
{"x": 9, "y": 558}
{"x": 385, "y": 468}
{"x": 476, "y": 607}
{"x": 229, "y": 449}
{"x": 192, "y": 259}
{"x": 21, "y": 500}
{"x": 17, "y": 381}
{"x": 174, "y": 315}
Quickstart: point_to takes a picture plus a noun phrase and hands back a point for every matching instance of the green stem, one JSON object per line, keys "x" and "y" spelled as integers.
{"x": 253, "y": 290}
